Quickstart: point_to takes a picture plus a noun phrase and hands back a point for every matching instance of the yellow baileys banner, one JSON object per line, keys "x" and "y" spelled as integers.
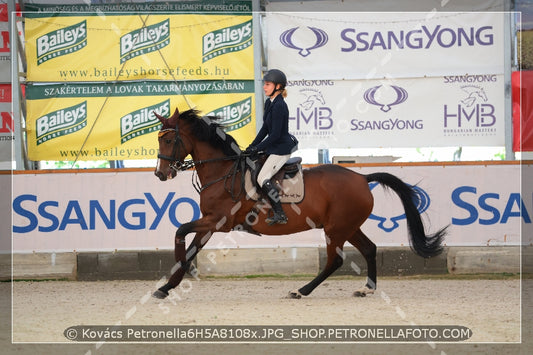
{"x": 115, "y": 121}
{"x": 139, "y": 46}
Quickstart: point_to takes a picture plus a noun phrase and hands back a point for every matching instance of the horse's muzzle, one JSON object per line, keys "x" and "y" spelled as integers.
{"x": 160, "y": 175}
{"x": 164, "y": 177}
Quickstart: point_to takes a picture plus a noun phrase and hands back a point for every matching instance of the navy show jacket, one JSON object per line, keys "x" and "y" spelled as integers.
{"x": 276, "y": 129}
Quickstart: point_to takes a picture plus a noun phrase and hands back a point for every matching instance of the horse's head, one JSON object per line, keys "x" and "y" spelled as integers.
{"x": 173, "y": 147}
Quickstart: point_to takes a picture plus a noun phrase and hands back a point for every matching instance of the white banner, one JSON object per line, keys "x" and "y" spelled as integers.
{"x": 365, "y": 45}
{"x": 454, "y": 110}
{"x": 133, "y": 210}
{"x": 385, "y": 5}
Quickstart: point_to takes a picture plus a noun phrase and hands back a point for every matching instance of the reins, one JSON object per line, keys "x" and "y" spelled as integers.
{"x": 187, "y": 164}
{"x": 175, "y": 164}
{"x": 238, "y": 166}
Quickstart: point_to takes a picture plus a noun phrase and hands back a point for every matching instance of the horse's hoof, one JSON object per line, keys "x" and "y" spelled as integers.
{"x": 294, "y": 295}
{"x": 159, "y": 294}
{"x": 363, "y": 292}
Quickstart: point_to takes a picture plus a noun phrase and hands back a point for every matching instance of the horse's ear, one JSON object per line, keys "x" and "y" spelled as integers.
{"x": 173, "y": 120}
{"x": 159, "y": 117}
{"x": 176, "y": 114}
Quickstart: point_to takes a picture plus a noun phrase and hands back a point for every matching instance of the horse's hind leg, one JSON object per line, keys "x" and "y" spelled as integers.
{"x": 335, "y": 259}
{"x": 368, "y": 249}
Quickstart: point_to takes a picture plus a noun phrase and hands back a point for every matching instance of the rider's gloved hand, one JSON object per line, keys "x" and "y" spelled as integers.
{"x": 250, "y": 150}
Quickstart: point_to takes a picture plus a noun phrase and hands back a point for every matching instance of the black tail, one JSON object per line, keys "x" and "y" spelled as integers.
{"x": 422, "y": 244}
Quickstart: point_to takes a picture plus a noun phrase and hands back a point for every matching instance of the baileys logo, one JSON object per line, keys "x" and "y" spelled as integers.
{"x": 226, "y": 40}
{"x": 144, "y": 40}
{"x": 61, "y": 122}
{"x": 143, "y": 121}
{"x": 60, "y": 42}
{"x": 236, "y": 115}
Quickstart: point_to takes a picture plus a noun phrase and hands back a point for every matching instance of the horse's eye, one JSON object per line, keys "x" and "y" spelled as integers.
{"x": 168, "y": 141}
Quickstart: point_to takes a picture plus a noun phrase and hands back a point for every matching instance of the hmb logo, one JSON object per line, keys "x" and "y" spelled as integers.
{"x": 471, "y": 111}
{"x": 141, "y": 122}
{"x": 320, "y": 40}
{"x": 144, "y": 40}
{"x": 61, "y": 122}
{"x": 226, "y": 40}
{"x": 475, "y": 94}
{"x": 312, "y": 110}
{"x": 60, "y": 42}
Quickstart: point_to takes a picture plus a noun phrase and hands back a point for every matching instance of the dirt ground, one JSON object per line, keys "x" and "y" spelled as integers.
{"x": 490, "y": 308}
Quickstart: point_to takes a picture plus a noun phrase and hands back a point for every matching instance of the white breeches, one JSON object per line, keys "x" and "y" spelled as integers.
{"x": 271, "y": 167}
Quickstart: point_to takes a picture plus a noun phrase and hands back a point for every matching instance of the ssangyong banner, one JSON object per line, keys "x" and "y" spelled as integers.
{"x": 351, "y": 45}
{"x": 482, "y": 204}
{"x": 109, "y": 47}
{"x": 115, "y": 121}
{"x": 452, "y": 110}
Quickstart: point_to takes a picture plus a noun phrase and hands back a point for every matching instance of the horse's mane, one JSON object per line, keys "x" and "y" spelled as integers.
{"x": 206, "y": 129}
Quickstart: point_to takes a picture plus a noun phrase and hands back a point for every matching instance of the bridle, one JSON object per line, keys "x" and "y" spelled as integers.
{"x": 175, "y": 164}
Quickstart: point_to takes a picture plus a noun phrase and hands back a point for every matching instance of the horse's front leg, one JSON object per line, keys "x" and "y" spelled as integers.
{"x": 183, "y": 257}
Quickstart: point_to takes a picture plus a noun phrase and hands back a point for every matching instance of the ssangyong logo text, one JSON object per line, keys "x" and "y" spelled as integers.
{"x": 386, "y": 97}
{"x": 226, "y": 40}
{"x": 144, "y": 40}
{"x": 61, "y": 123}
{"x": 305, "y": 39}
{"x": 141, "y": 122}
{"x": 236, "y": 115}
{"x": 60, "y": 42}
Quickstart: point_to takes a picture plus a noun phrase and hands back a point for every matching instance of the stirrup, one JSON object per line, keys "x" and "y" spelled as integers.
{"x": 276, "y": 219}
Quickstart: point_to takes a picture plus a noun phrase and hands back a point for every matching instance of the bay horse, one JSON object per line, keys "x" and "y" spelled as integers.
{"x": 336, "y": 199}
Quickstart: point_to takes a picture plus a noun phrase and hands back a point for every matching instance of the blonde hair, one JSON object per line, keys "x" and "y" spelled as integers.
{"x": 284, "y": 93}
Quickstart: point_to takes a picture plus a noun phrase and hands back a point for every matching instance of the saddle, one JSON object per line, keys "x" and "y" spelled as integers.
{"x": 288, "y": 180}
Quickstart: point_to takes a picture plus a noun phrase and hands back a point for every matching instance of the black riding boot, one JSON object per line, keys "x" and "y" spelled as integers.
{"x": 273, "y": 197}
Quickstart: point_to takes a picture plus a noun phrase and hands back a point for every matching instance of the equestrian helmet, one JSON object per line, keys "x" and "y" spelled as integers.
{"x": 276, "y": 76}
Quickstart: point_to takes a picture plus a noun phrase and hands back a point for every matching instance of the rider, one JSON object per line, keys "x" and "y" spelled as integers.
{"x": 274, "y": 139}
